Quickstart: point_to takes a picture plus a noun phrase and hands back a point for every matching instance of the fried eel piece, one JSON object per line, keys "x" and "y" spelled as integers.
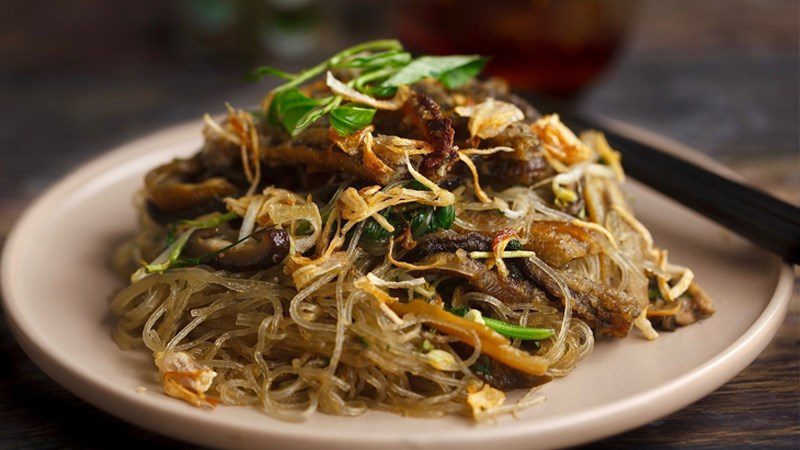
{"x": 607, "y": 311}
{"x": 558, "y": 243}
{"x": 436, "y": 129}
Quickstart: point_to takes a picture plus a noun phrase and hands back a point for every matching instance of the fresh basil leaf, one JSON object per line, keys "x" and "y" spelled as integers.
{"x": 460, "y": 75}
{"x": 325, "y": 106}
{"x": 260, "y": 72}
{"x": 437, "y": 67}
{"x": 304, "y": 121}
{"x": 379, "y": 91}
{"x": 348, "y": 119}
{"x": 369, "y": 82}
{"x": 289, "y": 107}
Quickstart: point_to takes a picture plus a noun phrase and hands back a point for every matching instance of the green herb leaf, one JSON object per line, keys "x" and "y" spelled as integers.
{"x": 483, "y": 366}
{"x": 177, "y": 244}
{"x": 460, "y": 75}
{"x": 444, "y": 217}
{"x": 416, "y": 185}
{"x": 373, "y": 232}
{"x": 460, "y": 312}
{"x": 296, "y": 111}
{"x": 287, "y": 107}
{"x": 422, "y": 222}
{"x": 380, "y": 91}
{"x": 391, "y": 58}
{"x": 514, "y": 245}
{"x": 379, "y": 67}
{"x": 187, "y": 262}
{"x": 210, "y": 223}
{"x": 348, "y": 119}
{"x": 260, "y": 72}
{"x": 452, "y": 70}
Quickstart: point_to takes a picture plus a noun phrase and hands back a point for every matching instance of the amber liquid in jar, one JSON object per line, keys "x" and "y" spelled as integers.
{"x": 554, "y": 47}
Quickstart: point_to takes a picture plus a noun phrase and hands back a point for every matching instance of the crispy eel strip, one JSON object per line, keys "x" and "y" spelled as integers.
{"x": 437, "y": 129}
{"x": 328, "y": 159}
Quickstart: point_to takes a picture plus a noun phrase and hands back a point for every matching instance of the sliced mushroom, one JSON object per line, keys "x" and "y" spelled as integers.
{"x": 264, "y": 249}
{"x": 695, "y": 305}
{"x": 170, "y": 187}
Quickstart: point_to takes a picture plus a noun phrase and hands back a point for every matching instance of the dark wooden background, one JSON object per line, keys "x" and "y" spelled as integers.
{"x": 721, "y": 76}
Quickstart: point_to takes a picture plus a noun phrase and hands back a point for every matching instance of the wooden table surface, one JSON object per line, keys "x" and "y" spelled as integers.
{"x": 721, "y": 76}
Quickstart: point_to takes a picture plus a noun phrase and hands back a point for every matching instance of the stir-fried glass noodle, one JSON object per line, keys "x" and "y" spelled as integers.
{"x": 387, "y": 233}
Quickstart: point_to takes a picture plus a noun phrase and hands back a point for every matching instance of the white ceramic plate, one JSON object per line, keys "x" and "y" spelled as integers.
{"x": 56, "y": 284}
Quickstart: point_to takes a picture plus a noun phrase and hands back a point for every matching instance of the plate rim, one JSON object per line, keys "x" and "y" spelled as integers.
{"x": 580, "y": 427}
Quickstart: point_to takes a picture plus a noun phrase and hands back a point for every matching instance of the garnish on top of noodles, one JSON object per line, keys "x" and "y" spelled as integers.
{"x": 386, "y": 232}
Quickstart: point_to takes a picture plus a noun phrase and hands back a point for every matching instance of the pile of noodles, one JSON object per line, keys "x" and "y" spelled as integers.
{"x": 316, "y": 333}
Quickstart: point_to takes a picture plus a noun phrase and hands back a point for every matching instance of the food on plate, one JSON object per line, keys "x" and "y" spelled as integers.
{"x": 386, "y": 232}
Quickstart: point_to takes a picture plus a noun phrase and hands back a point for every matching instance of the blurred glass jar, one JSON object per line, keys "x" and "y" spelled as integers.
{"x": 554, "y": 47}
{"x": 249, "y": 30}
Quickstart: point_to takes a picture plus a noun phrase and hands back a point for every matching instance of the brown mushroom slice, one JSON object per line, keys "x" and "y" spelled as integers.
{"x": 694, "y": 305}
{"x": 262, "y": 250}
{"x": 169, "y": 189}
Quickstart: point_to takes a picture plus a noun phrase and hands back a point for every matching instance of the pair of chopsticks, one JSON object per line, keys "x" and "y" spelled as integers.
{"x": 764, "y": 220}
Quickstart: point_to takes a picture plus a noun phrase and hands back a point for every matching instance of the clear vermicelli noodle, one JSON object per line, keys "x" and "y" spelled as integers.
{"x": 394, "y": 236}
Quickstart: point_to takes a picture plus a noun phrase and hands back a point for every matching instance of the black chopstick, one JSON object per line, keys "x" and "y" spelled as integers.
{"x": 755, "y": 215}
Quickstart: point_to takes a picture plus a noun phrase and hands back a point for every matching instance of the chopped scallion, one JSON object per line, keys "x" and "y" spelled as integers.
{"x": 509, "y": 329}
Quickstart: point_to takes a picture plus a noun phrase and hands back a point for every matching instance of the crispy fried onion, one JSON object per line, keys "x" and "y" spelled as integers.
{"x": 240, "y": 130}
{"x": 377, "y": 150}
{"x": 597, "y": 142}
{"x": 663, "y": 270}
{"x": 184, "y": 378}
{"x": 362, "y": 142}
{"x": 490, "y": 117}
{"x": 349, "y": 93}
{"x": 279, "y": 207}
{"x": 485, "y": 400}
{"x": 486, "y": 202}
{"x": 561, "y": 145}
{"x": 358, "y": 205}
